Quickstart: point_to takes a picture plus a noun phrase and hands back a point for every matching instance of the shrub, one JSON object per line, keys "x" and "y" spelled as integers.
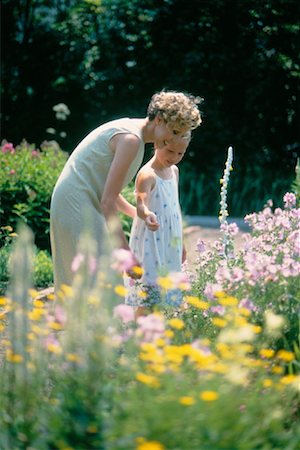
{"x": 128, "y": 194}
{"x": 42, "y": 267}
{"x": 27, "y": 179}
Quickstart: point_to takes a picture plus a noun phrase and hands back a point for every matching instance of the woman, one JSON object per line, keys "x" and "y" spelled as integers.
{"x": 87, "y": 193}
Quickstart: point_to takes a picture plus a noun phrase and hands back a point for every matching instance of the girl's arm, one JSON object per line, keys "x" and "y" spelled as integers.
{"x": 145, "y": 182}
{"x": 125, "y": 207}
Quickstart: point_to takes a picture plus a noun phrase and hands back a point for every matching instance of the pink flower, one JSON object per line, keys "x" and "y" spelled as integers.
{"x": 80, "y": 258}
{"x": 60, "y": 315}
{"x": 210, "y": 290}
{"x": 12, "y": 172}
{"x": 35, "y": 153}
{"x": 77, "y": 261}
{"x": 219, "y": 309}
{"x": 8, "y": 148}
{"x": 124, "y": 312}
{"x": 289, "y": 200}
{"x": 150, "y": 327}
{"x": 123, "y": 260}
{"x": 232, "y": 229}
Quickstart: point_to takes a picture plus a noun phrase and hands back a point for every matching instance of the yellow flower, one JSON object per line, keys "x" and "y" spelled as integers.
{"x": 38, "y": 304}
{"x": 245, "y": 312}
{"x": 256, "y": 329}
{"x": 228, "y": 301}
{"x": 289, "y": 379}
{"x": 194, "y": 301}
{"x": 266, "y": 353}
{"x": 121, "y": 290}
{"x": 277, "y": 369}
{"x": 169, "y": 334}
{"x": 13, "y": 357}
{"x": 219, "y": 294}
{"x": 3, "y": 301}
{"x": 36, "y": 314}
{"x": 137, "y": 270}
{"x": 55, "y": 326}
{"x": 209, "y": 396}
{"x": 66, "y": 290}
{"x": 72, "y": 357}
{"x": 219, "y": 322}
{"x": 149, "y": 445}
{"x": 160, "y": 342}
{"x": 187, "y": 400}
{"x": 285, "y": 355}
{"x": 176, "y": 323}
{"x": 33, "y": 293}
{"x": 149, "y": 380}
{"x": 165, "y": 282}
{"x": 267, "y": 382}
{"x": 52, "y": 348}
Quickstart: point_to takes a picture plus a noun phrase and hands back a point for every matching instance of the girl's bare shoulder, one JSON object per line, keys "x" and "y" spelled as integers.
{"x": 146, "y": 175}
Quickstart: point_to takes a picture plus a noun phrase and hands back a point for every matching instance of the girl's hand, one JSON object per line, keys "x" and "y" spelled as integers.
{"x": 151, "y": 222}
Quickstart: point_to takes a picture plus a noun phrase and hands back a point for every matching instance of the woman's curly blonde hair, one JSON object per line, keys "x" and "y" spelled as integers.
{"x": 176, "y": 108}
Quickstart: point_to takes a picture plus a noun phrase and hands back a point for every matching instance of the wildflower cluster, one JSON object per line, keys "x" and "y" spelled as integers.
{"x": 86, "y": 374}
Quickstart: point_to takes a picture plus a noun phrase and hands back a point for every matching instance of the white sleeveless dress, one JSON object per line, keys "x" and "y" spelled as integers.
{"x": 160, "y": 252}
{"x": 75, "y": 202}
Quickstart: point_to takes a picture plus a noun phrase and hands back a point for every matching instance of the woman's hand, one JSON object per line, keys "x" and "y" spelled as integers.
{"x": 151, "y": 222}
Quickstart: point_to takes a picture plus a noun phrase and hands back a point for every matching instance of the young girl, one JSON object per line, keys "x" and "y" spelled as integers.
{"x": 87, "y": 192}
{"x": 156, "y": 234}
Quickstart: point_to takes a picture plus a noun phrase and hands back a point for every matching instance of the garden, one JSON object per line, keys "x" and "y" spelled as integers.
{"x": 220, "y": 370}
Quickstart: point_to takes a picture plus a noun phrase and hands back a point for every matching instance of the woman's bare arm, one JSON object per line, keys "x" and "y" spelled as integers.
{"x": 125, "y": 207}
{"x": 125, "y": 148}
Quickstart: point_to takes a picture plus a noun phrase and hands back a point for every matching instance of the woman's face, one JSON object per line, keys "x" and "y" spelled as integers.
{"x": 166, "y": 134}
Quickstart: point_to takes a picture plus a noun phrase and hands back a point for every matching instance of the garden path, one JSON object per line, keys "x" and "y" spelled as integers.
{"x": 209, "y": 236}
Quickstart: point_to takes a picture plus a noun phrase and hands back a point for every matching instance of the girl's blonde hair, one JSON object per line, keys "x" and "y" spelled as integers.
{"x": 176, "y": 108}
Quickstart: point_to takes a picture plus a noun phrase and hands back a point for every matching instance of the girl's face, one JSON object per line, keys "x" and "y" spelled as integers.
{"x": 166, "y": 134}
{"x": 171, "y": 154}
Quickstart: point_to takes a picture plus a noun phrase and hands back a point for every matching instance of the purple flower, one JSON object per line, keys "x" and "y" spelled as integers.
{"x": 201, "y": 246}
{"x": 247, "y": 304}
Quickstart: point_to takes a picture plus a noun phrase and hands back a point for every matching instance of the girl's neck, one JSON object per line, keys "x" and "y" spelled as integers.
{"x": 160, "y": 170}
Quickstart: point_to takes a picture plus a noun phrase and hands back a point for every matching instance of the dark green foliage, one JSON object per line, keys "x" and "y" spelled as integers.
{"x": 296, "y": 183}
{"x": 105, "y": 59}
{"x": 42, "y": 268}
{"x": 128, "y": 194}
{"x": 27, "y": 179}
